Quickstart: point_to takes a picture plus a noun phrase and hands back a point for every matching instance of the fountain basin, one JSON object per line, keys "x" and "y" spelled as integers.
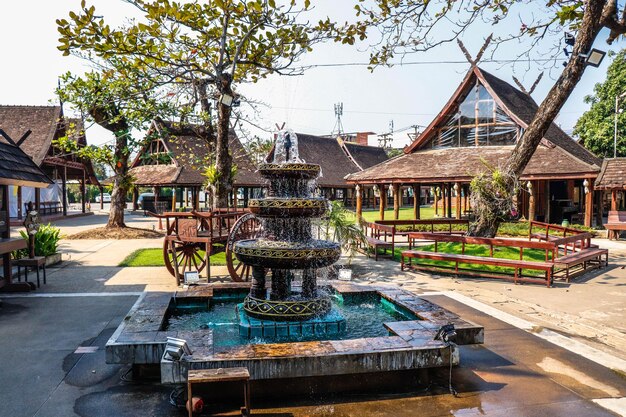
{"x": 285, "y": 310}
{"x": 288, "y": 207}
{"x": 287, "y": 255}
{"x": 399, "y": 345}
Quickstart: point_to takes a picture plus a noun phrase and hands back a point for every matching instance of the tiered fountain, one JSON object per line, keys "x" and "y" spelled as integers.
{"x": 287, "y": 247}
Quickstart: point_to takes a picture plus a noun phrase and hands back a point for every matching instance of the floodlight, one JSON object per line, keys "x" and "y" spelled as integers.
{"x": 175, "y": 349}
{"x": 226, "y": 99}
{"x": 594, "y": 57}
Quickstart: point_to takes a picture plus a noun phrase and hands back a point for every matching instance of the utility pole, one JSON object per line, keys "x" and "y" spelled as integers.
{"x": 385, "y": 140}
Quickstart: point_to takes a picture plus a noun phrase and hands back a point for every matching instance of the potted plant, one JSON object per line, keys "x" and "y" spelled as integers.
{"x": 46, "y": 243}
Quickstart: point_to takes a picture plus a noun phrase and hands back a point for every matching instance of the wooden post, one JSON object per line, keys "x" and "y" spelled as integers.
{"x": 531, "y": 202}
{"x": 449, "y": 215}
{"x": 235, "y": 189}
{"x": 436, "y": 203}
{"x": 396, "y": 201}
{"x": 38, "y": 199}
{"x": 101, "y": 198}
{"x": 383, "y": 200}
{"x": 19, "y": 203}
{"x": 465, "y": 197}
{"x": 246, "y": 196}
{"x": 174, "y": 198}
{"x": 548, "y": 199}
{"x": 417, "y": 194}
{"x": 83, "y": 193}
{"x": 196, "y": 200}
{"x": 457, "y": 187}
{"x": 64, "y": 187}
{"x": 589, "y": 203}
{"x": 443, "y": 201}
{"x": 613, "y": 200}
{"x": 135, "y": 198}
{"x": 359, "y": 203}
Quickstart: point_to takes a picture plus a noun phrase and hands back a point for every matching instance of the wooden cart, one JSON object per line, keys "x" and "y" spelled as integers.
{"x": 192, "y": 237}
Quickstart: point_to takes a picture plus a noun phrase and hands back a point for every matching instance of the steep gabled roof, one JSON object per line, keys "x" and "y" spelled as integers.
{"x": 336, "y": 159}
{"x": 517, "y": 105}
{"x": 612, "y": 175}
{"x": 17, "y": 168}
{"x": 189, "y": 152}
{"x": 42, "y": 121}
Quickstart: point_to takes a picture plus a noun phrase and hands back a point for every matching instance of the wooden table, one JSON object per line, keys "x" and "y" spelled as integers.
{"x": 207, "y": 376}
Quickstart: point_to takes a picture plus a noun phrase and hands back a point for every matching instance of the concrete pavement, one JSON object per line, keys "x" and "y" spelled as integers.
{"x": 514, "y": 374}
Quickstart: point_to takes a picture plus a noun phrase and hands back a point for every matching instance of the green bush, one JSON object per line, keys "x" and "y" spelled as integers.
{"x": 46, "y": 240}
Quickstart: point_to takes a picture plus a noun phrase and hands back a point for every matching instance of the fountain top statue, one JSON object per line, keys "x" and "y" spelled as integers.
{"x": 286, "y": 148}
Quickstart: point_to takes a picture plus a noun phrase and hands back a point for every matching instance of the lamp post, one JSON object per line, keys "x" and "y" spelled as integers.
{"x": 617, "y": 111}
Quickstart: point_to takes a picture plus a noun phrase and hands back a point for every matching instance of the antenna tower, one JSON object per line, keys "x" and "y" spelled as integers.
{"x": 338, "y": 128}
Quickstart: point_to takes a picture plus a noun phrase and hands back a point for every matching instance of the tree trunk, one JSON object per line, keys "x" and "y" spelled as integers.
{"x": 110, "y": 118}
{"x": 549, "y": 108}
{"x": 223, "y": 159}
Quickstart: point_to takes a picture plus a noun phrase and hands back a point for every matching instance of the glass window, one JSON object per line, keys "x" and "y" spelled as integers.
{"x": 478, "y": 121}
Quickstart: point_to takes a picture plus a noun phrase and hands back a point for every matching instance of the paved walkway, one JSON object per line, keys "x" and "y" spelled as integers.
{"x": 518, "y": 372}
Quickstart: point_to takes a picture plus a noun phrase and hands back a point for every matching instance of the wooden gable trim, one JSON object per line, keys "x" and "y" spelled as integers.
{"x": 153, "y": 126}
{"x": 443, "y": 113}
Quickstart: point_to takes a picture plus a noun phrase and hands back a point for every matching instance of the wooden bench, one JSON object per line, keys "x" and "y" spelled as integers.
{"x": 379, "y": 236}
{"x": 208, "y": 376}
{"x": 616, "y": 222}
{"x": 547, "y": 265}
{"x": 429, "y": 224}
{"x": 518, "y": 265}
{"x": 583, "y": 257}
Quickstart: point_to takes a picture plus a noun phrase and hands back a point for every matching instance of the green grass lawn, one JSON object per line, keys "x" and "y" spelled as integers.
{"x": 477, "y": 250}
{"x": 154, "y": 257}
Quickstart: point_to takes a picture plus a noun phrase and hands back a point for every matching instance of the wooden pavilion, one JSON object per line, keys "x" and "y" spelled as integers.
{"x": 16, "y": 169}
{"x": 33, "y": 129}
{"x": 338, "y": 159}
{"x": 479, "y": 125}
{"x": 175, "y": 156}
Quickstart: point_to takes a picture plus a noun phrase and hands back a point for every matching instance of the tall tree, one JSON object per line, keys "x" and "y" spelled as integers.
{"x": 407, "y": 26}
{"x": 596, "y": 128}
{"x": 200, "y": 50}
{"x": 118, "y": 104}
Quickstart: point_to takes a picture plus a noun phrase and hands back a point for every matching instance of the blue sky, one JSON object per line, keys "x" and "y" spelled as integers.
{"x": 408, "y": 95}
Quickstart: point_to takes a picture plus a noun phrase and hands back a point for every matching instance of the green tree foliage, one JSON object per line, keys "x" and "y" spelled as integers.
{"x": 199, "y": 51}
{"x": 595, "y": 128}
{"x": 258, "y": 148}
{"x": 115, "y": 99}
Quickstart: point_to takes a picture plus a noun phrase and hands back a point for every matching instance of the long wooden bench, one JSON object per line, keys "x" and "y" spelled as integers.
{"x": 563, "y": 253}
{"x": 379, "y": 236}
{"x": 616, "y": 222}
{"x": 428, "y": 224}
{"x": 517, "y": 265}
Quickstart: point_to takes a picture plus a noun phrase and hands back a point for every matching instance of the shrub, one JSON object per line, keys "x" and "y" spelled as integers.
{"x": 46, "y": 240}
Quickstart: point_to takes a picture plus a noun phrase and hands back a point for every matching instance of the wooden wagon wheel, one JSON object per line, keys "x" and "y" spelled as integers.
{"x": 247, "y": 226}
{"x": 189, "y": 256}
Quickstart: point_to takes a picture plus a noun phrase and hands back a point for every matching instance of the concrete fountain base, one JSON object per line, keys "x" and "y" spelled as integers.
{"x": 140, "y": 340}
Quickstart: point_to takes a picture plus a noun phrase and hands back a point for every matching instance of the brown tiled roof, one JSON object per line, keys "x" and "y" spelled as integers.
{"x": 366, "y": 156}
{"x": 612, "y": 175}
{"x": 17, "y": 168}
{"x": 518, "y": 105}
{"x": 190, "y": 152}
{"x": 335, "y": 162}
{"x": 461, "y": 164}
{"x": 42, "y": 121}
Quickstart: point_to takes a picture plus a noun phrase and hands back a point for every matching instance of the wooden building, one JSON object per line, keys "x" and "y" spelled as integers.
{"x": 338, "y": 159}
{"x": 480, "y": 124}
{"x": 175, "y": 156}
{"x": 33, "y": 129}
{"x": 16, "y": 169}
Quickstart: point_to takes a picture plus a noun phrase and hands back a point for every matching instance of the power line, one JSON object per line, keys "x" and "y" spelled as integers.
{"x": 356, "y": 111}
{"x": 405, "y": 63}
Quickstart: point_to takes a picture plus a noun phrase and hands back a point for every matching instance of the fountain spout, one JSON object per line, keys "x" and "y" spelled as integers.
{"x": 286, "y": 149}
